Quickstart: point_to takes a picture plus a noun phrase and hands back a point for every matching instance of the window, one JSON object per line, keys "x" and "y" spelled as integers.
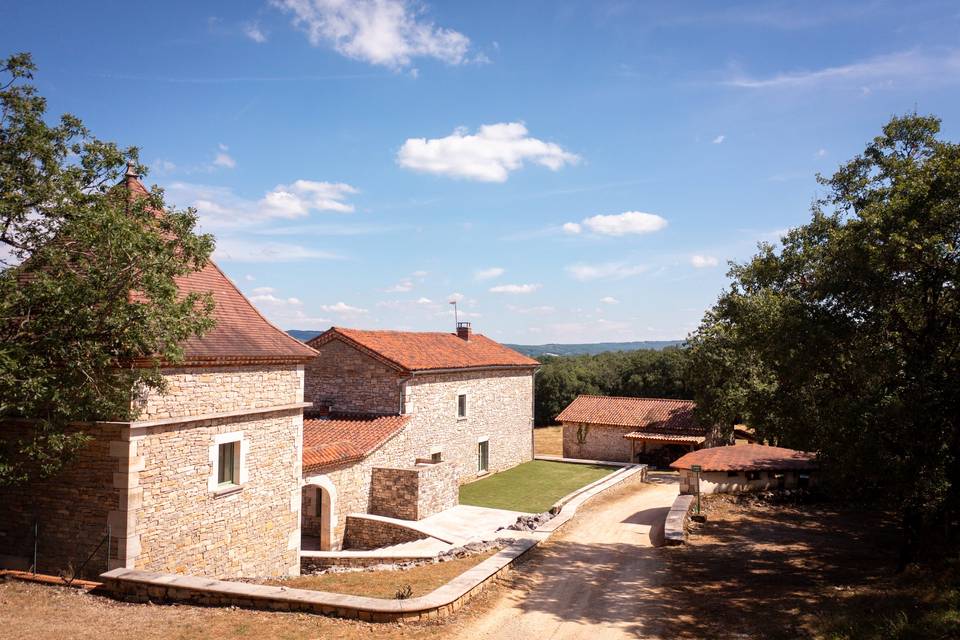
{"x": 228, "y": 463}
{"x": 227, "y": 466}
{"x": 436, "y": 457}
{"x": 733, "y": 474}
{"x": 462, "y": 405}
{"x": 753, "y": 475}
{"x": 483, "y": 456}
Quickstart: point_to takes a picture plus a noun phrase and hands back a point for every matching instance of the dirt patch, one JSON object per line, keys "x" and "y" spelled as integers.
{"x": 757, "y": 570}
{"x": 548, "y": 441}
{"x": 386, "y": 582}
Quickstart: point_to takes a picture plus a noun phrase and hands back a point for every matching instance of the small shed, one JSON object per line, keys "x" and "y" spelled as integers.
{"x": 746, "y": 467}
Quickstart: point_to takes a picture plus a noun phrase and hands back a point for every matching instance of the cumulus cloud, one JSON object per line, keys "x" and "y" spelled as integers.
{"x": 719, "y": 139}
{"x": 389, "y": 33}
{"x": 255, "y": 33}
{"x": 488, "y": 274}
{"x": 284, "y": 312}
{"x": 487, "y": 156}
{"x": 219, "y": 207}
{"x": 609, "y": 300}
{"x": 628, "y": 222}
{"x": 605, "y": 271}
{"x": 515, "y": 288}
{"x": 455, "y": 297}
{"x": 703, "y": 262}
{"x": 423, "y": 300}
{"x": 343, "y": 309}
{"x": 224, "y": 159}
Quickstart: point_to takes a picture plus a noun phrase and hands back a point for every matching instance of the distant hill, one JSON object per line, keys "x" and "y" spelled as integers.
{"x": 303, "y": 334}
{"x": 593, "y": 348}
{"x": 537, "y": 350}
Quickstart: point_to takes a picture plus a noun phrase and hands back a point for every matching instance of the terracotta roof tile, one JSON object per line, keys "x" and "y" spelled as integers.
{"x": 342, "y": 439}
{"x": 424, "y": 351}
{"x": 655, "y": 415}
{"x": 747, "y": 457}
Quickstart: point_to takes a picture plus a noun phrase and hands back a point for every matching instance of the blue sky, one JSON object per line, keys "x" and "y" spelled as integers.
{"x": 569, "y": 171}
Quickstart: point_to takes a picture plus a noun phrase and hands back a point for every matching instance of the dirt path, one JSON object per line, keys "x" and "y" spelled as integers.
{"x": 598, "y": 579}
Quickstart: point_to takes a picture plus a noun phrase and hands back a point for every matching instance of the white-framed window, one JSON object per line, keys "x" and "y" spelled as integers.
{"x": 228, "y": 461}
{"x": 483, "y": 455}
{"x": 461, "y": 405}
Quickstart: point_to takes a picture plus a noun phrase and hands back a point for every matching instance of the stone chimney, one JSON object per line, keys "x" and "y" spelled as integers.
{"x": 464, "y": 331}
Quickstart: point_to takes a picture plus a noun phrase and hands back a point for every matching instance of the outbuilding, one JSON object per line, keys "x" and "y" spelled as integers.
{"x": 746, "y": 467}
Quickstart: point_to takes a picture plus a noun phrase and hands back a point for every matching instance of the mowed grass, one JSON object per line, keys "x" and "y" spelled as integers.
{"x": 532, "y": 487}
{"x": 422, "y": 579}
{"x": 548, "y": 441}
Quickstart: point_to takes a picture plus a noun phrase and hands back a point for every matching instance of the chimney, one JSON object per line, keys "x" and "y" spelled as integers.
{"x": 464, "y": 331}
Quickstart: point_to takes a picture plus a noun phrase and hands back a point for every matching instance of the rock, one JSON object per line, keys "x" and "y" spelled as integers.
{"x": 530, "y": 523}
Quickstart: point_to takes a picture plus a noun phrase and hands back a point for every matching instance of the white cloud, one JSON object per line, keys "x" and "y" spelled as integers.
{"x": 254, "y": 32}
{"x": 238, "y": 250}
{"x": 488, "y": 155}
{"x": 455, "y": 297}
{"x": 249, "y": 278}
{"x": 514, "y": 288}
{"x": 902, "y": 68}
{"x": 405, "y": 285}
{"x": 383, "y": 32}
{"x": 604, "y": 271}
{"x": 703, "y": 262}
{"x": 628, "y": 222}
{"x": 162, "y": 166}
{"x": 343, "y": 309}
{"x": 821, "y": 153}
{"x": 220, "y": 208}
{"x": 224, "y": 160}
{"x": 719, "y": 139}
{"x": 488, "y": 274}
{"x": 424, "y": 301}
{"x": 609, "y": 300}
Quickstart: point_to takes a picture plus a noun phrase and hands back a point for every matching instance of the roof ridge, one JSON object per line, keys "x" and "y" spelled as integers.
{"x": 593, "y": 395}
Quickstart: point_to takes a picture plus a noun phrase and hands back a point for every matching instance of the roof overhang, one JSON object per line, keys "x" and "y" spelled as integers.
{"x": 670, "y": 438}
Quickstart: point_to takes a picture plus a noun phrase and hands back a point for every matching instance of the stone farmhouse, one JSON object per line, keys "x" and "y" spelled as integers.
{"x": 651, "y": 430}
{"x": 400, "y": 419}
{"x": 205, "y": 481}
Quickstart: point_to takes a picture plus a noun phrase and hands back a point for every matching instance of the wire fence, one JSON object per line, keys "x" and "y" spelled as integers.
{"x": 71, "y": 575}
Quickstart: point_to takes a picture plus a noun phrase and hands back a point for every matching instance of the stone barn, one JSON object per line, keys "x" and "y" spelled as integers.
{"x": 618, "y": 429}
{"x": 746, "y": 467}
{"x": 400, "y": 419}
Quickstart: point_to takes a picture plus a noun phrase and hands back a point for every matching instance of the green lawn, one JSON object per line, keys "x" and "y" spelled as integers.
{"x": 532, "y": 486}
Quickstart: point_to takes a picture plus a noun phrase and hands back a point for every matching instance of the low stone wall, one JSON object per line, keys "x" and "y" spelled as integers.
{"x": 413, "y": 493}
{"x": 674, "y": 528}
{"x": 312, "y": 563}
{"x": 374, "y": 533}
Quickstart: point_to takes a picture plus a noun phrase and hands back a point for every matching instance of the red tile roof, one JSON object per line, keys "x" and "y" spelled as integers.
{"x": 747, "y": 457}
{"x": 427, "y": 351}
{"x": 654, "y": 415}
{"x": 664, "y": 437}
{"x": 342, "y": 439}
{"x": 241, "y": 333}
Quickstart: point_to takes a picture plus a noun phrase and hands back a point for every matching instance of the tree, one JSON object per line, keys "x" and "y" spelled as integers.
{"x": 846, "y": 340}
{"x": 87, "y": 286}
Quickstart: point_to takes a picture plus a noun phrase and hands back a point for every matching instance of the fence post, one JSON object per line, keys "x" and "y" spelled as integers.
{"x": 109, "y": 544}
{"x": 36, "y": 539}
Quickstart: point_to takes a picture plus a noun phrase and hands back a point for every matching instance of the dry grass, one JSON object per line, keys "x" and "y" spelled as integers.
{"x": 548, "y": 441}
{"x": 384, "y": 584}
{"x": 38, "y": 611}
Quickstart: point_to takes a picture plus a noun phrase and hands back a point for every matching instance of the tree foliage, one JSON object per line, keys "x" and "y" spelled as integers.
{"x": 642, "y": 373}
{"x": 846, "y": 339}
{"x": 87, "y": 286}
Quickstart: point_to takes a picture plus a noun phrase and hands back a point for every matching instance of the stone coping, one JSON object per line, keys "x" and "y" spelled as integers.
{"x": 674, "y": 531}
{"x": 412, "y": 525}
{"x": 161, "y": 422}
{"x": 606, "y": 463}
{"x": 146, "y": 586}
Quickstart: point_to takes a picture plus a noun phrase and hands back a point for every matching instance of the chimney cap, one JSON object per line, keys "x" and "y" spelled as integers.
{"x": 132, "y": 169}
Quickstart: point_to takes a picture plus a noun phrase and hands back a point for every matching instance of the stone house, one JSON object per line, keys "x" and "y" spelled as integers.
{"x": 746, "y": 467}
{"x": 206, "y": 480}
{"x": 400, "y": 419}
{"x": 650, "y": 430}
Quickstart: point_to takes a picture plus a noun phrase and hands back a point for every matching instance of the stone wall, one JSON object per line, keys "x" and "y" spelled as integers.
{"x": 196, "y": 391}
{"x": 370, "y": 533}
{"x": 602, "y": 442}
{"x": 737, "y": 482}
{"x": 253, "y": 530}
{"x": 347, "y": 380}
{"x": 500, "y": 408}
{"x": 71, "y": 508}
{"x": 413, "y": 493}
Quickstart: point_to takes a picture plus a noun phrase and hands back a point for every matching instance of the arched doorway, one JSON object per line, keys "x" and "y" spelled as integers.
{"x": 317, "y": 513}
